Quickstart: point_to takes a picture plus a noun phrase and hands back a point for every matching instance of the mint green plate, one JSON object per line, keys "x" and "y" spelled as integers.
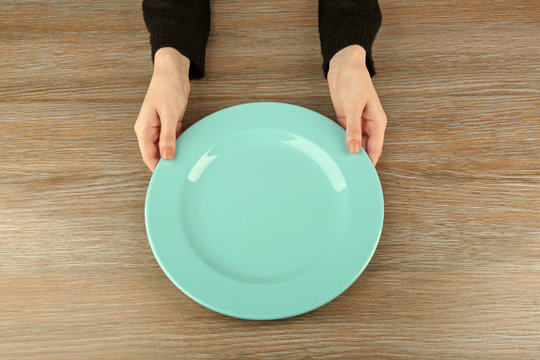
{"x": 263, "y": 213}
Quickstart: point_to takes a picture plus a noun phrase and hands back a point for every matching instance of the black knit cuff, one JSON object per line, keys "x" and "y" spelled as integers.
{"x": 339, "y": 28}
{"x": 341, "y": 39}
{"x": 182, "y": 25}
{"x": 194, "y": 48}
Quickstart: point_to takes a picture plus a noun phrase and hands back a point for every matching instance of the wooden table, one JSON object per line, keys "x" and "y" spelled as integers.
{"x": 457, "y": 271}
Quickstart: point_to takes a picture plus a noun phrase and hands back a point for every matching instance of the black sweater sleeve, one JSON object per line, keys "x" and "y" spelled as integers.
{"x": 180, "y": 24}
{"x": 348, "y": 22}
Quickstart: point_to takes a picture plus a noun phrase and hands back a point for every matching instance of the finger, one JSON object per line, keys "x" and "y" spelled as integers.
{"x": 150, "y": 153}
{"x": 340, "y": 114}
{"x": 353, "y": 114}
{"x": 167, "y": 138}
{"x": 178, "y": 128}
{"x": 375, "y": 119}
{"x": 147, "y": 138}
{"x": 364, "y": 141}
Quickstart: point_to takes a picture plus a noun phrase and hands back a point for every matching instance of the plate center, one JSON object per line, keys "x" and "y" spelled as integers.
{"x": 264, "y": 206}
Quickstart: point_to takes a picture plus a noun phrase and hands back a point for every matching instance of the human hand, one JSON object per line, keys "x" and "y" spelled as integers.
{"x": 160, "y": 118}
{"x": 356, "y": 103}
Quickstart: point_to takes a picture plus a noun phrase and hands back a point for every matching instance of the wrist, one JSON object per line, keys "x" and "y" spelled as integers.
{"x": 353, "y": 55}
{"x": 169, "y": 59}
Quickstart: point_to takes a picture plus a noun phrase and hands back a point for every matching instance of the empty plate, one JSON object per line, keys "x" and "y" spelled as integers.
{"x": 263, "y": 213}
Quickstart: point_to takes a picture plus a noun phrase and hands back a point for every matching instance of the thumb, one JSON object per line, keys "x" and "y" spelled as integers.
{"x": 167, "y": 136}
{"x": 353, "y": 130}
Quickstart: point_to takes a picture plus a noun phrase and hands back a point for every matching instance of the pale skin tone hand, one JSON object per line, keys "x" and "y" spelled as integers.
{"x": 160, "y": 118}
{"x": 356, "y": 103}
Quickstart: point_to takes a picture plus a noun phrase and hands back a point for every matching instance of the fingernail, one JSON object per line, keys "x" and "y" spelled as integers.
{"x": 168, "y": 153}
{"x": 354, "y": 146}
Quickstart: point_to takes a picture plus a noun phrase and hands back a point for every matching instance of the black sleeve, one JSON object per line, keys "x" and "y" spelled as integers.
{"x": 348, "y": 22}
{"x": 180, "y": 24}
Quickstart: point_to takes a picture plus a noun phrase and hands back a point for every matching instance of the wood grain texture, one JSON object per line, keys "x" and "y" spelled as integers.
{"x": 457, "y": 271}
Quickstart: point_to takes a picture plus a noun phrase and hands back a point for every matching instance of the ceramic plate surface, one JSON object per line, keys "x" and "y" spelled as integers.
{"x": 263, "y": 213}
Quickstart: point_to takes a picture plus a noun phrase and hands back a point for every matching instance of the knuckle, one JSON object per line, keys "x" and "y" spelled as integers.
{"x": 146, "y": 160}
{"x": 137, "y": 127}
{"x": 354, "y": 131}
{"x": 167, "y": 137}
{"x": 384, "y": 118}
